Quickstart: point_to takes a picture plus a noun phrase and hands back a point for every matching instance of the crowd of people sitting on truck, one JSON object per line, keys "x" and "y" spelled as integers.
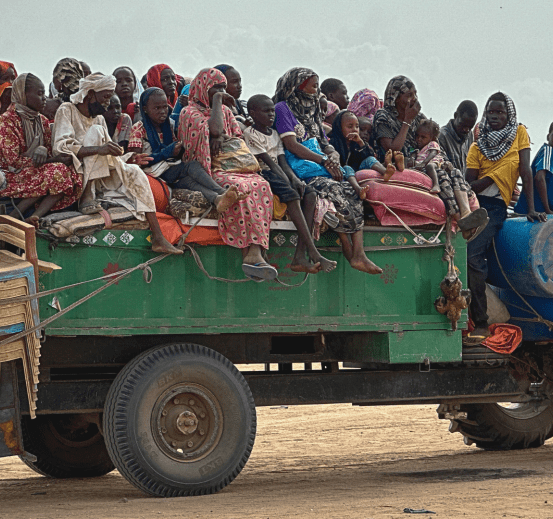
{"x": 94, "y": 140}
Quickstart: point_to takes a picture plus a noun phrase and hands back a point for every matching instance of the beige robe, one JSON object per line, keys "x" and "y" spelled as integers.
{"x": 111, "y": 178}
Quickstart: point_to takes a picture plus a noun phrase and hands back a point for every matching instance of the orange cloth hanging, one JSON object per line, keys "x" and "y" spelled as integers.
{"x": 504, "y": 338}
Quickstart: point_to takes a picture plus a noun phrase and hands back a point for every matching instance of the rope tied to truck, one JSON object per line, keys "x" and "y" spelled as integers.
{"x": 147, "y": 275}
{"x": 145, "y": 267}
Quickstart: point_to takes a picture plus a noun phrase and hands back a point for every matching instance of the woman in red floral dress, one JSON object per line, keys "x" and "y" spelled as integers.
{"x": 32, "y": 173}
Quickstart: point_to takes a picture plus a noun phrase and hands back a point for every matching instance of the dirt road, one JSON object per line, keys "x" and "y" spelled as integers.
{"x": 321, "y": 461}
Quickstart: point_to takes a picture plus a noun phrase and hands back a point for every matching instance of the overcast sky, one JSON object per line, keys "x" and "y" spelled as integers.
{"x": 452, "y": 51}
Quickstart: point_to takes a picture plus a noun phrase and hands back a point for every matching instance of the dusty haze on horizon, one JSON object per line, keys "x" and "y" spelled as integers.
{"x": 451, "y": 51}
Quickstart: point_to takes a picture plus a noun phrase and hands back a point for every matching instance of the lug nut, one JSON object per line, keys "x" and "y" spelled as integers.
{"x": 163, "y": 430}
{"x": 202, "y": 432}
{"x": 174, "y": 444}
{"x": 176, "y": 401}
{"x": 202, "y": 415}
{"x": 164, "y": 413}
{"x": 190, "y": 444}
{"x": 191, "y": 402}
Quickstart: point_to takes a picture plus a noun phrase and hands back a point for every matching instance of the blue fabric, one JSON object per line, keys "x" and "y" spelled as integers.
{"x": 542, "y": 160}
{"x": 160, "y": 150}
{"x": 175, "y": 115}
{"x": 306, "y": 168}
{"x": 368, "y": 163}
{"x": 348, "y": 172}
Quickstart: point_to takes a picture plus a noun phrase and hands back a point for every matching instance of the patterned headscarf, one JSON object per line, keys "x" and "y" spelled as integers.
{"x": 4, "y": 66}
{"x": 68, "y": 72}
{"x": 364, "y": 103}
{"x": 332, "y": 108}
{"x": 386, "y": 123}
{"x": 495, "y": 143}
{"x": 396, "y": 86}
{"x": 153, "y": 78}
{"x": 160, "y": 150}
{"x": 194, "y": 120}
{"x": 96, "y": 82}
{"x": 31, "y": 120}
{"x": 305, "y": 107}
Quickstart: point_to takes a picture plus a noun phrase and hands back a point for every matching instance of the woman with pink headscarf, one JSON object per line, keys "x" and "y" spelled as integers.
{"x": 206, "y": 126}
{"x": 365, "y": 103}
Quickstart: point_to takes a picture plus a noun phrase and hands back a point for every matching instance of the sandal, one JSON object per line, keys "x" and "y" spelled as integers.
{"x": 262, "y": 271}
{"x": 473, "y": 220}
{"x": 479, "y": 229}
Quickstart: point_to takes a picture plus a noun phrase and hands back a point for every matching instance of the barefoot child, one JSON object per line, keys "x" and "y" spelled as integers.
{"x": 154, "y": 136}
{"x": 448, "y": 182}
{"x": 265, "y": 144}
{"x": 355, "y": 154}
{"x": 429, "y": 158}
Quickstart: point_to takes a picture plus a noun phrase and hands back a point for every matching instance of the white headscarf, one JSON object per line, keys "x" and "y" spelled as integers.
{"x": 96, "y": 82}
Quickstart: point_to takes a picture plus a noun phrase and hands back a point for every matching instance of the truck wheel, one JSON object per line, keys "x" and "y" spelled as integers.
{"x": 180, "y": 420}
{"x": 505, "y": 426}
{"x": 66, "y": 446}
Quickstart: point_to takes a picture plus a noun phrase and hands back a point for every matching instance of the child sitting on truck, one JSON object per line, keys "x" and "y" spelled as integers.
{"x": 265, "y": 144}
{"x": 355, "y": 154}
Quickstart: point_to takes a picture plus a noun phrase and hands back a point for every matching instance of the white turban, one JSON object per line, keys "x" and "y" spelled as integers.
{"x": 96, "y": 82}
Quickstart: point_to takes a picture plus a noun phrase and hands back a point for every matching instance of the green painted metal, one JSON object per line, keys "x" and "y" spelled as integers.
{"x": 181, "y": 300}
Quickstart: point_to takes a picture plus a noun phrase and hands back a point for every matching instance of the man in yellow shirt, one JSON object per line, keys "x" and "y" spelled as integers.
{"x": 494, "y": 163}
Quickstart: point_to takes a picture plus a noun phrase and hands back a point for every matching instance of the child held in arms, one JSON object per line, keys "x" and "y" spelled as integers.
{"x": 429, "y": 158}
{"x": 119, "y": 124}
{"x": 266, "y": 145}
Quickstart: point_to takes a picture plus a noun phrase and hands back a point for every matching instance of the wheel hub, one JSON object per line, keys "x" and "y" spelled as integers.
{"x": 187, "y": 422}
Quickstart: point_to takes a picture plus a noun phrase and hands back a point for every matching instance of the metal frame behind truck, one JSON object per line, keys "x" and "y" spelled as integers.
{"x": 143, "y": 376}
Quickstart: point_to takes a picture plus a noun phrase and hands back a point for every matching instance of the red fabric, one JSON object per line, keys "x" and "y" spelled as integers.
{"x": 406, "y": 195}
{"x": 131, "y": 109}
{"x": 172, "y": 228}
{"x": 4, "y": 66}
{"x": 160, "y": 192}
{"x": 504, "y": 338}
{"x": 153, "y": 78}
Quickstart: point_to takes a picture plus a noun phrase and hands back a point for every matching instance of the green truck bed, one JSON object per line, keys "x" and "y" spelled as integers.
{"x": 396, "y": 305}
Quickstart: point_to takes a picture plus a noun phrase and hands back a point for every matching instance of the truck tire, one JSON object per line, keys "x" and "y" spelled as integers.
{"x": 65, "y": 447}
{"x": 180, "y": 420}
{"x": 505, "y": 427}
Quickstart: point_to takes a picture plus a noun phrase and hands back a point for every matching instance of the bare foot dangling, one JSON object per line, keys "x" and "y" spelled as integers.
{"x": 165, "y": 247}
{"x": 364, "y": 264}
{"x": 399, "y": 159}
{"x": 390, "y": 170}
{"x": 363, "y": 192}
{"x": 435, "y": 189}
{"x": 388, "y": 158}
{"x": 227, "y": 199}
{"x": 305, "y": 266}
{"x": 326, "y": 264}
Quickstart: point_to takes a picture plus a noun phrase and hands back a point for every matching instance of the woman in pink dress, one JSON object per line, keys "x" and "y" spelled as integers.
{"x": 205, "y": 126}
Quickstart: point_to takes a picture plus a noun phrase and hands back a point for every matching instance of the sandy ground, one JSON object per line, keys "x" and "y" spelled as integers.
{"x": 321, "y": 461}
